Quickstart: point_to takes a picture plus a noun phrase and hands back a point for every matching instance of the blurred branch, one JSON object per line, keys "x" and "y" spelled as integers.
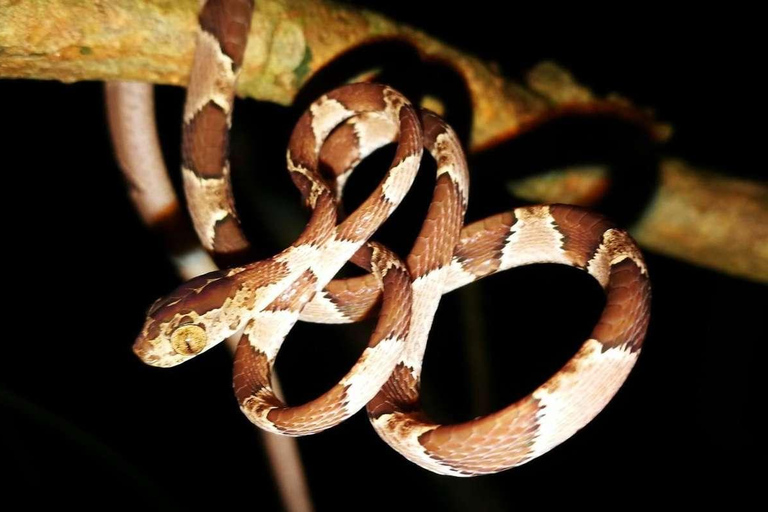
{"x": 708, "y": 219}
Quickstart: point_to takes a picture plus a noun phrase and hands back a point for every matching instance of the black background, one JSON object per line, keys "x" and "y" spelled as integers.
{"x": 84, "y": 422}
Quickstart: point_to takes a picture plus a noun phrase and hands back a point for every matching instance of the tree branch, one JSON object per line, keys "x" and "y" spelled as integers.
{"x": 291, "y": 40}
{"x": 152, "y": 41}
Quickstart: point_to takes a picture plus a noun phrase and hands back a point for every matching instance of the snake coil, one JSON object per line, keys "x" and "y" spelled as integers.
{"x": 264, "y": 299}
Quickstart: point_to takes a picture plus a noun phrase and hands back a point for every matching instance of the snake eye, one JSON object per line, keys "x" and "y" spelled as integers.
{"x": 189, "y": 339}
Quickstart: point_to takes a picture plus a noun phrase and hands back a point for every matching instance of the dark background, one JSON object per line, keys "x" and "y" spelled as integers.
{"x": 84, "y": 422}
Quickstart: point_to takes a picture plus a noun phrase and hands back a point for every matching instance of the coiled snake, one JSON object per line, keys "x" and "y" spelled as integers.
{"x": 264, "y": 299}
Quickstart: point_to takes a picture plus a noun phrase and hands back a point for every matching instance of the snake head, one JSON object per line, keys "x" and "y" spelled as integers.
{"x": 193, "y": 318}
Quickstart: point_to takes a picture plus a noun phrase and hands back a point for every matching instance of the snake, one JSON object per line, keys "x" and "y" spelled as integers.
{"x": 263, "y": 300}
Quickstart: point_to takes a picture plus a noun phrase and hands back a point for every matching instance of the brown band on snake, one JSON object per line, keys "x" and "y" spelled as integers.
{"x": 456, "y": 446}
{"x": 204, "y": 142}
{"x": 352, "y": 299}
{"x": 483, "y": 239}
{"x": 627, "y": 300}
{"x": 228, "y": 22}
{"x": 393, "y": 322}
{"x": 352, "y": 142}
{"x": 398, "y": 395}
{"x": 582, "y": 231}
{"x": 341, "y": 151}
{"x": 252, "y": 371}
{"x": 295, "y": 297}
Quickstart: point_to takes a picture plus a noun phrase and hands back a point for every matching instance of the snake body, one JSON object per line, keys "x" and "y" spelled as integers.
{"x": 264, "y": 299}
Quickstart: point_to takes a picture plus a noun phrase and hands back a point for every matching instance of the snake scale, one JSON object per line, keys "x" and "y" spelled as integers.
{"x": 264, "y": 299}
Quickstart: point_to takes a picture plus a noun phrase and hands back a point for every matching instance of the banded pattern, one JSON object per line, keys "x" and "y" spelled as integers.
{"x": 264, "y": 299}
{"x": 221, "y": 42}
{"x": 567, "y": 401}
